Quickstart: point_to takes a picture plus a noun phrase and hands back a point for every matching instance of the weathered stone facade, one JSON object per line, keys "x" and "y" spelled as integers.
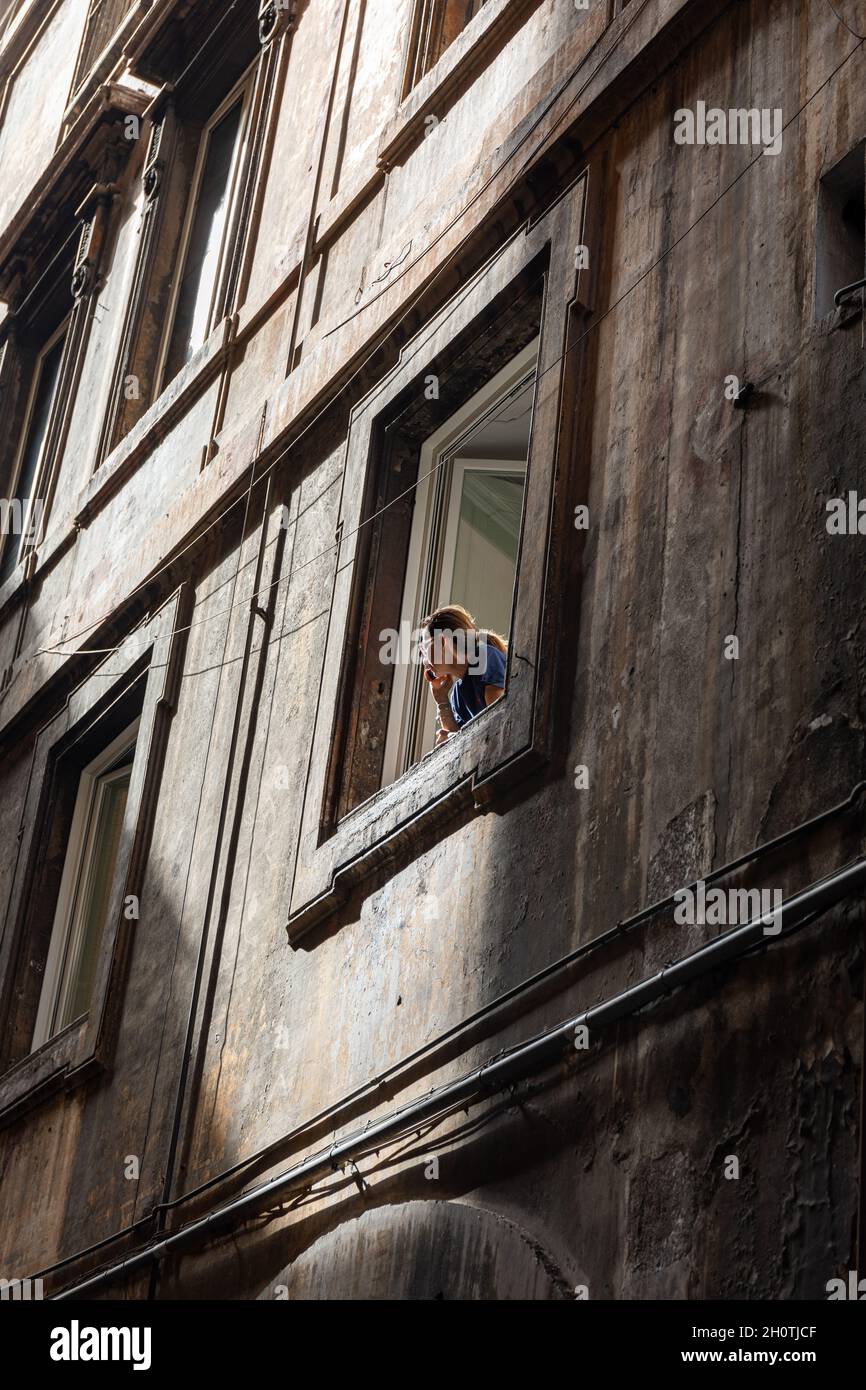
{"x": 292, "y": 956}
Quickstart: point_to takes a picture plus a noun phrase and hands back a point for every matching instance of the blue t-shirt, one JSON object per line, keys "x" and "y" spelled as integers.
{"x": 466, "y": 696}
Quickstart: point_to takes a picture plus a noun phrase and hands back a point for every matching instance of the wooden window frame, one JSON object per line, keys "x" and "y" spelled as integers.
{"x": 512, "y": 738}
{"x": 81, "y": 852}
{"x": 826, "y": 313}
{"x": 431, "y": 551}
{"x": 141, "y": 676}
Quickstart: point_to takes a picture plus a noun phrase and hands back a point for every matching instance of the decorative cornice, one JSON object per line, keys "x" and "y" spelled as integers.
{"x": 94, "y": 149}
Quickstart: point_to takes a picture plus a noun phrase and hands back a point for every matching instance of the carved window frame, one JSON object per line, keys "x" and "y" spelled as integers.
{"x": 141, "y": 676}
{"x": 20, "y": 370}
{"x": 141, "y": 351}
{"x": 513, "y": 737}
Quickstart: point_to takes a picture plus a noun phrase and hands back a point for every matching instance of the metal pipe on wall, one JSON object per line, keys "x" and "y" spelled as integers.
{"x": 504, "y": 1070}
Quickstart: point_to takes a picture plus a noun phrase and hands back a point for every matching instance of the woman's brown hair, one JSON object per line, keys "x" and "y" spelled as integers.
{"x": 455, "y": 618}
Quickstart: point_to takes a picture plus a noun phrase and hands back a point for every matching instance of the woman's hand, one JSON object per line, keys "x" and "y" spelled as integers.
{"x": 440, "y": 687}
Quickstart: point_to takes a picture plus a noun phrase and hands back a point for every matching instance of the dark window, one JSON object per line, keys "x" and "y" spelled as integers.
{"x": 24, "y": 513}
{"x": 841, "y": 234}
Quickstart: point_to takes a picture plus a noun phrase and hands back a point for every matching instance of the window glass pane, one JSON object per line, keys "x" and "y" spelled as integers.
{"x": 486, "y": 549}
{"x": 464, "y": 541}
{"x": 484, "y": 555}
{"x": 91, "y": 909}
{"x": 37, "y": 430}
{"x": 201, "y": 267}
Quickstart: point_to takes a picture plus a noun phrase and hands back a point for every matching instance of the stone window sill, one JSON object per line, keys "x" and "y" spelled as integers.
{"x": 457, "y": 66}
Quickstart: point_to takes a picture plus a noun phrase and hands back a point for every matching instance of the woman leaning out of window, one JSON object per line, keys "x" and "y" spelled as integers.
{"x": 464, "y": 665}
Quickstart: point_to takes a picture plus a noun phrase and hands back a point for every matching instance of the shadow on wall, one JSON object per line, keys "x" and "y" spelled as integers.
{"x": 424, "y": 1250}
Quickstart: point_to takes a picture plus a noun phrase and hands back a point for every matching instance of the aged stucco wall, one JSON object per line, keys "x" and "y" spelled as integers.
{"x": 705, "y": 521}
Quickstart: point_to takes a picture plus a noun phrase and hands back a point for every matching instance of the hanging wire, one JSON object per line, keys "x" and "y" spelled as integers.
{"x": 60, "y": 648}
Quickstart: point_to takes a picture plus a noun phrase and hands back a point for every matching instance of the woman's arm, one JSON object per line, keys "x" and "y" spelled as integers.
{"x": 492, "y": 693}
{"x": 446, "y": 724}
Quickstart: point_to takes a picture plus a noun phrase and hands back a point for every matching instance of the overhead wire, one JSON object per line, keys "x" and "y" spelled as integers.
{"x": 177, "y": 554}
{"x": 56, "y": 649}
{"x": 59, "y": 647}
{"x": 244, "y": 1163}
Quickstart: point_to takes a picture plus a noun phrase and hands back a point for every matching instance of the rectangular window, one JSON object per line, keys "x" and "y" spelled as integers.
{"x": 441, "y": 517}
{"x": 435, "y": 26}
{"x": 841, "y": 233}
{"x": 465, "y": 535}
{"x": 88, "y": 876}
{"x": 486, "y": 390}
{"x": 76, "y": 906}
{"x": 197, "y": 296}
{"x": 24, "y": 513}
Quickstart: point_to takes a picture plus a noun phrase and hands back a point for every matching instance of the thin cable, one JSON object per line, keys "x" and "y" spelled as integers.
{"x": 211, "y": 617}
{"x": 608, "y": 937}
{"x": 373, "y": 352}
{"x": 861, "y": 37}
{"x": 56, "y": 649}
{"x": 563, "y": 86}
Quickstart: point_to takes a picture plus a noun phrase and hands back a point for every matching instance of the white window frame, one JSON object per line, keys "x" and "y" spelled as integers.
{"x": 243, "y": 90}
{"x": 77, "y": 867}
{"x": 430, "y": 562}
{"x": 25, "y": 541}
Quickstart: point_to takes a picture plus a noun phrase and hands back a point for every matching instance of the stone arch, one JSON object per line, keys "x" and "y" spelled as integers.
{"x": 425, "y": 1250}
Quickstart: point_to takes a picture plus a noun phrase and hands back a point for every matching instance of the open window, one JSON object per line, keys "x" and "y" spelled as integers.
{"x": 85, "y": 891}
{"x": 480, "y": 400}
{"x": 203, "y": 151}
{"x": 465, "y": 535}
{"x": 442, "y": 512}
